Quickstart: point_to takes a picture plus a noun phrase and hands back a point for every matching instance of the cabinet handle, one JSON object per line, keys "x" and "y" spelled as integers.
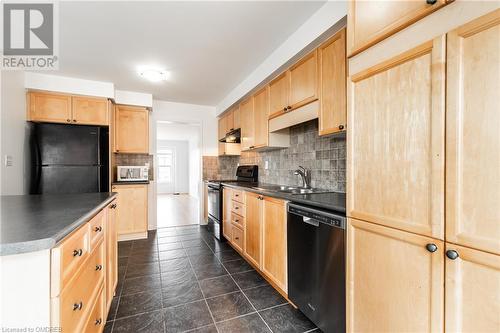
{"x": 236, "y": 195}
{"x": 289, "y": 107}
{"x": 117, "y": 150}
{"x": 113, "y": 206}
{"x": 77, "y": 306}
{"x": 431, "y": 2}
{"x": 78, "y": 253}
{"x": 98, "y": 267}
{"x": 284, "y": 109}
{"x": 68, "y": 120}
{"x": 236, "y": 221}
{"x": 236, "y": 238}
{"x": 236, "y": 207}
{"x": 341, "y": 127}
{"x": 98, "y": 229}
{"x": 98, "y": 321}
{"x": 452, "y": 254}
{"x": 431, "y": 247}
{"x": 74, "y": 120}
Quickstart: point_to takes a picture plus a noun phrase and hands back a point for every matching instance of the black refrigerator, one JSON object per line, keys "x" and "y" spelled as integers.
{"x": 69, "y": 158}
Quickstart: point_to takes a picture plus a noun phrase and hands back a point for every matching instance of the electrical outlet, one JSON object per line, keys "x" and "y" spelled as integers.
{"x": 8, "y": 160}
{"x": 266, "y": 165}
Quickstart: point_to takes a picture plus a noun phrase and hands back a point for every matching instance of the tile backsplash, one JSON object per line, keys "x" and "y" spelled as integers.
{"x": 324, "y": 156}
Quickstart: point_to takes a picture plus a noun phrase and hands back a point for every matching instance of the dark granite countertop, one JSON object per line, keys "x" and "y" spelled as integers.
{"x": 130, "y": 183}
{"x": 335, "y": 201}
{"x": 38, "y": 222}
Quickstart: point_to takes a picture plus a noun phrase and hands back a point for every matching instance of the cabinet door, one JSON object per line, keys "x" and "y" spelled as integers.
{"x": 237, "y": 117}
{"x": 247, "y": 125}
{"x": 304, "y": 81}
{"x": 372, "y": 21}
{"x": 111, "y": 253}
{"x": 261, "y": 118}
{"x": 131, "y": 129}
{"x": 274, "y": 241}
{"x": 473, "y": 135}
{"x": 90, "y": 111}
{"x": 229, "y": 121}
{"x": 47, "y": 107}
{"x": 396, "y": 141}
{"x": 394, "y": 284}
{"x": 279, "y": 90}
{"x": 132, "y": 214}
{"x": 333, "y": 99}
{"x": 226, "y": 213}
{"x": 472, "y": 291}
{"x": 222, "y": 127}
{"x": 253, "y": 224}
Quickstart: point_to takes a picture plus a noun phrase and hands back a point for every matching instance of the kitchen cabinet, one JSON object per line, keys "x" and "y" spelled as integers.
{"x": 370, "y": 22}
{"x": 131, "y": 130}
{"x": 111, "y": 253}
{"x": 226, "y": 213}
{"x": 253, "y": 227}
{"x": 260, "y": 120}
{"x": 229, "y": 149}
{"x": 222, "y": 127}
{"x": 473, "y": 136}
{"x": 279, "y": 89}
{"x": 396, "y": 141}
{"x": 304, "y": 81}
{"x": 236, "y": 117}
{"x": 332, "y": 87}
{"x": 394, "y": 283}
{"x": 132, "y": 214}
{"x": 226, "y": 125}
{"x": 472, "y": 290}
{"x": 274, "y": 241}
{"x": 69, "y": 109}
{"x": 248, "y": 126}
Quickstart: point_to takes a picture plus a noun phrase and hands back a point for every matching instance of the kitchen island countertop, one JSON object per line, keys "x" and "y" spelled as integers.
{"x": 32, "y": 223}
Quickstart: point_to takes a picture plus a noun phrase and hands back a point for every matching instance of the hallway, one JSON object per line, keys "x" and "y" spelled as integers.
{"x": 177, "y": 210}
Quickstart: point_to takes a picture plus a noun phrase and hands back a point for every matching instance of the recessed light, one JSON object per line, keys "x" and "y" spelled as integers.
{"x": 154, "y": 75}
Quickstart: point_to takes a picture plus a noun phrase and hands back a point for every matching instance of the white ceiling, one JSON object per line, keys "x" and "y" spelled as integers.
{"x": 209, "y": 47}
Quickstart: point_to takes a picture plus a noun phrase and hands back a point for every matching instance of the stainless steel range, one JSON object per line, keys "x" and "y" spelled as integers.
{"x": 244, "y": 173}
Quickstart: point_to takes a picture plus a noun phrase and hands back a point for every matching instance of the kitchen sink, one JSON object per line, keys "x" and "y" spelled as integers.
{"x": 290, "y": 189}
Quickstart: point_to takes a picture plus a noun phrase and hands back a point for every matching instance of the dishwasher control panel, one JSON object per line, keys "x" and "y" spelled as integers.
{"x": 318, "y": 215}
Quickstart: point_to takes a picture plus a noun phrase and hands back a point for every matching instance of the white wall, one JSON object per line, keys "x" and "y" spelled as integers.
{"x": 180, "y": 182}
{"x": 14, "y": 134}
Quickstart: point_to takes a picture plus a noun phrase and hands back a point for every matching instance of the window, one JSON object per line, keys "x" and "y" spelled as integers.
{"x": 166, "y": 166}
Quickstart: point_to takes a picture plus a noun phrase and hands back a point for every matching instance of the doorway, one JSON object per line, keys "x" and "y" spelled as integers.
{"x": 178, "y": 173}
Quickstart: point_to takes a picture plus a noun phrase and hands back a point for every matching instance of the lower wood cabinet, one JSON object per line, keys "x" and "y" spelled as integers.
{"x": 394, "y": 282}
{"x": 226, "y": 213}
{"x": 253, "y": 227}
{"x": 132, "y": 214}
{"x": 111, "y": 254}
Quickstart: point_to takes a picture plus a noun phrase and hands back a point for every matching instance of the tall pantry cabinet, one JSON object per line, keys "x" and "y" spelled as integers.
{"x": 424, "y": 186}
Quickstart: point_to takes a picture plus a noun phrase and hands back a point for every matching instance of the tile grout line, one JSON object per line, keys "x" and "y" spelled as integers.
{"x": 161, "y": 286}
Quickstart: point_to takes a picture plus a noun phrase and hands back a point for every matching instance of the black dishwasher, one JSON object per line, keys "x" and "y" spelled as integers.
{"x": 316, "y": 265}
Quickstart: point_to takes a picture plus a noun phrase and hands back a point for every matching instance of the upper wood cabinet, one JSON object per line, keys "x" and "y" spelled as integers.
{"x": 260, "y": 120}
{"x": 236, "y": 117}
{"x": 222, "y": 127}
{"x": 132, "y": 214}
{"x": 247, "y": 120}
{"x": 253, "y": 227}
{"x": 472, "y": 291}
{"x": 279, "y": 91}
{"x": 227, "y": 123}
{"x": 396, "y": 141}
{"x": 332, "y": 89}
{"x": 473, "y": 135}
{"x": 274, "y": 241}
{"x": 62, "y": 108}
{"x": 304, "y": 81}
{"x": 131, "y": 129}
{"x": 370, "y": 22}
{"x": 394, "y": 284}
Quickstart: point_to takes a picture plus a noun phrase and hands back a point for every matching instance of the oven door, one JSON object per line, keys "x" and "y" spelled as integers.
{"x": 214, "y": 204}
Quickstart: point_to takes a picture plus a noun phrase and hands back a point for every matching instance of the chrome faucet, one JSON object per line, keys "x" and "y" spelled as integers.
{"x": 305, "y": 175}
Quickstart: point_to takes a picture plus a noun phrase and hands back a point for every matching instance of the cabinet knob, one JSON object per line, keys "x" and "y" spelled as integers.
{"x": 431, "y": 2}
{"x": 98, "y": 229}
{"x": 78, "y": 253}
{"x": 284, "y": 109}
{"x": 98, "y": 267}
{"x": 68, "y": 120}
{"x": 431, "y": 247}
{"x": 113, "y": 206}
{"x": 289, "y": 107}
{"x": 236, "y": 221}
{"x": 452, "y": 254}
{"x": 236, "y": 238}
{"x": 74, "y": 120}
{"x": 236, "y": 207}
{"x": 341, "y": 127}
{"x": 98, "y": 321}
{"x": 77, "y": 306}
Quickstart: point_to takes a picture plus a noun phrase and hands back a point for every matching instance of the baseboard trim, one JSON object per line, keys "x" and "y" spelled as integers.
{"x": 132, "y": 236}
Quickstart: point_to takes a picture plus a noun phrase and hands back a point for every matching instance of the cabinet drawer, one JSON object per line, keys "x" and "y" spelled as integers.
{"x": 238, "y": 196}
{"x": 96, "y": 320}
{"x": 238, "y": 208}
{"x": 238, "y": 220}
{"x": 68, "y": 257}
{"x": 71, "y": 309}
{"x": 237, "y": 238}
{"x": 97, "y": 226}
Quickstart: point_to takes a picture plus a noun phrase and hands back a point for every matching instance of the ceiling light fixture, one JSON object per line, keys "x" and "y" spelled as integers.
{"x": 154, "y": 75}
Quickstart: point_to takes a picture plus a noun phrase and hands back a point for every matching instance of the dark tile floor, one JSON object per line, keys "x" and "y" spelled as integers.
{"x": 181, "y": 279}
